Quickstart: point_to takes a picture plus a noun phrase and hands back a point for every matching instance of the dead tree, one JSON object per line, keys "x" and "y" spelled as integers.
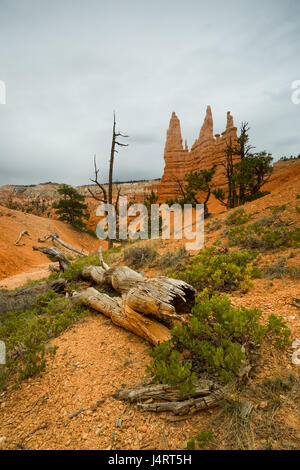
{"x": 107, "y": 197}
{"x": 55, "y": 255}
{"x": 17, "y": 242}
{"x": 55, "y": 236}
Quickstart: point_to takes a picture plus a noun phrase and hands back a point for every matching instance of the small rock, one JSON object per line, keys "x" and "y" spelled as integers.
{"x": 85, "y": 436}
{"x": 263, "y": 405}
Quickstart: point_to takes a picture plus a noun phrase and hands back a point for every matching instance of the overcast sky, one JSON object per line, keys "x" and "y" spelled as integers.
{"x": 68, "y": 64}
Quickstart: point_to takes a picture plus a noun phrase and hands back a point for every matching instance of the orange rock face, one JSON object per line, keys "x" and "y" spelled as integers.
{"x": 207, "y": 151}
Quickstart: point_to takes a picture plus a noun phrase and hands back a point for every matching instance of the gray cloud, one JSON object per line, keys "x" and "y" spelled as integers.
{"x": 67, "y": 64}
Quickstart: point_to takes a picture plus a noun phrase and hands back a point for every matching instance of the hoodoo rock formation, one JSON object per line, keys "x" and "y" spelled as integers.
{"x": 208, "y": 150}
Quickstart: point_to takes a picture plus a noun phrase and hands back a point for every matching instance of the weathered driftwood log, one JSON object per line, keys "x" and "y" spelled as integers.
{"x": 187, "y": 406}
{"x": 207, "y": 396}
{"x": 55, "y": 236}
{"x": 162, "y": 392}
{"x": 162, "y": 297}
{"x": 17, "y": 242}
{"x": 55, "y": 255}
{"x": 122, "y": 315}
{"x": 121, "y": 278}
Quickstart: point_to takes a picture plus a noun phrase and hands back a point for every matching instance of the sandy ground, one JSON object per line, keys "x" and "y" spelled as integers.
{"x": 18, "y": 259}
{"x": 33, "y": 274}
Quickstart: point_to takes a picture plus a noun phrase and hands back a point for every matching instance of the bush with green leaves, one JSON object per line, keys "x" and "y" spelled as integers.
{"x": 277, "y": 209}
{"x": 219, "y": 271}
{"x": 210, "y": 343}
{"x": 74, "y": 270}
{"x": 202, "y": 440}
{"x": 25, "y": 333}
{"x": 256, "y": 236}
{"x": 238, "y": 217}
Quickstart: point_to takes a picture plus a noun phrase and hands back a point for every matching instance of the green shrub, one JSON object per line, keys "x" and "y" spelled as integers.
{"x": 298, "y": 209}
{"x": 255, "y": 236}
{"x": 277, "y": 209}
{"x": 26, "y": 332}
{"x": 73, "y": 273}
{"x": 238, "y": 217}
{"x": 212, "y": 341}
{"x": 219, "y": 271}
{"x": 140, "y": 256}
{"x": 202, "y": 440}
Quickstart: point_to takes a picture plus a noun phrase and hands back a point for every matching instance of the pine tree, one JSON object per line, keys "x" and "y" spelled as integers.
{"x": 70, "y": 207}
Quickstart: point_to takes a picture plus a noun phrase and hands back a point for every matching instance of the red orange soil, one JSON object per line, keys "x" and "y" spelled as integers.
{"x": 17, "y": 259}
{"x": 95, "y": 357}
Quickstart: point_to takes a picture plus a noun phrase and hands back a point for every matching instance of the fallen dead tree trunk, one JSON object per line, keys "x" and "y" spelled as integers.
{"x": 55, "y": 255}
{"x": 122, "y": 315}
{"x": 55, "y": 236}
{"x": 207, "y": 395}
{"x": 163, "y": 298}
{"x": 162, "y": 392}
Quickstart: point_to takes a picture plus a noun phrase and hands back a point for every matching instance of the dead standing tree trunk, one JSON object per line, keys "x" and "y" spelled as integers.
{"x": 107, "y": 198}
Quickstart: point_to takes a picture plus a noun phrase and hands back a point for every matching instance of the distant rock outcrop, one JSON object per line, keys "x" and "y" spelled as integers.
{"x": 207, "y": 151}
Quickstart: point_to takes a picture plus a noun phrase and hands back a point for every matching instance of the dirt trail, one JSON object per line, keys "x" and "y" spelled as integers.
{"x": 38, "y": 272}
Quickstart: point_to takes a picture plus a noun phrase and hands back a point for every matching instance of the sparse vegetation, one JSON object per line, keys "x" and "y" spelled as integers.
{"x": 212, "y": 343}
{"x": 172, "y": 259}
{"x": 140, "y": 256}
{"x": 250, "y": 420}
{"x": 26, "y": 332}
{"x": 280, "y": 270}
{"x": 238, "y": 217}
{"x": 255, "y": 236}
{"x": 202, "y": 440}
